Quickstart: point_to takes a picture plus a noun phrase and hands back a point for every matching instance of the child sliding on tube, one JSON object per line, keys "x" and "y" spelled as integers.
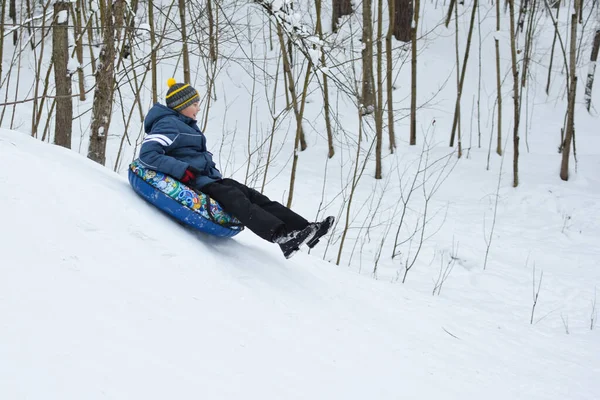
{"x": 175, "y": 145}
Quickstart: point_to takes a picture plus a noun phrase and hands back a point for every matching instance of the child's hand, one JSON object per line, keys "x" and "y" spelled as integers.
{"x": 190, "y": 174}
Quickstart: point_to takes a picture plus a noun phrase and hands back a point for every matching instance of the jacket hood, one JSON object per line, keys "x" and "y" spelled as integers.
{"x": 158, "y": 112}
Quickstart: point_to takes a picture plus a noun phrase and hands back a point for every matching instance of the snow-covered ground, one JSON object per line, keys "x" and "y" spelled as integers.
{"x": 102, "y": 296}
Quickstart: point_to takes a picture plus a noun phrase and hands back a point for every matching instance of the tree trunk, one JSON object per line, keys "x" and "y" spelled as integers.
{"x": 552, "y": 51}
{"x": 413, "y": 83}
{"x": 153, "y": 51}
{"x": 339, "y": 9}
{"x": 528, "y": 42}
{"x": 368, "y": 95}
{"x": 592, "y": 70}
{"x": 12, "y": 13}
{"x": 79, "y": 47}
{"x": 570, "y": 132}
{"x": 29, "y": 18}
{"x": 463, "y": 73}
{"x": 522, "y": 14}
{"x": 212, "y": 37}
{"x": 103, "y": 95}
{"x": 62, "y": 77}
{"x": 2, "y": 17}
{"x": 379, "y": 105}
{"x": 515, "y": 71}
{"x": 450, "y": 10}
{"x": 90, "y": 37}
{"x": 403, "y": 17}
{"x": 298, "y": 110}
{"x": 186, "y": 55}
{"x": 498, "y": 80}
{"x": 326, "y": 107}
{"x": 118, "y": 10}
{"x": 389, "y": 75}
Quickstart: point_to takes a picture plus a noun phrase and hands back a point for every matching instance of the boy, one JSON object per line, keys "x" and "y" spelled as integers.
{"x": 175, "y": 146}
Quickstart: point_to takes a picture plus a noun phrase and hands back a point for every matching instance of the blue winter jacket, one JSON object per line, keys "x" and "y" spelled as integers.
{"x": 174, "y": 142}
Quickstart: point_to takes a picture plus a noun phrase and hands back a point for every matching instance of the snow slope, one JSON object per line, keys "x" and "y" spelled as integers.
{"x": 102, "y": 296}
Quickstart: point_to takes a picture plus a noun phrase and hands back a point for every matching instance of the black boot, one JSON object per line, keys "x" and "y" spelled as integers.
{"x": 290, "y": 242}
{"x": 321, "y": 230}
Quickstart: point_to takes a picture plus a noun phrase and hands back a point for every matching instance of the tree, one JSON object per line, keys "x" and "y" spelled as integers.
{"x": 498, "y": 79}
{"x": 592, "y": 70}
{"x": 516, "y": 109}
{"x": 462, "y": 76}
{"x": 368, "y": 94}
{"x": 105, "y": 81}
{"x": 379, "y": 107}
{"x": 413, "y": 84}
{"x": 12, "y": 13}
{"x": 153, "y": 51}
{"x": 62, "y": 76}
{"x": 2, "y": 16}
{"x": 186, "y": 55}
{"x": 326, "y": 105}
{"x": 570, "y": 131}
{"x": 389, "y": 75}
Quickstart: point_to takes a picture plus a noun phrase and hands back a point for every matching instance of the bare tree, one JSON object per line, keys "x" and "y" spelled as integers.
{"x": 379, "y": 104}
{"x": 498, "y": 79}
{"x": 355, "y": 179}
{"x": 105, "y": 81}
{"x": 388, "y": 74}
{"x": 212, "y": 31}
{"x": 463, "y": 73}
{"x": 535, "y": 293}
{"x": 368, "y": 93}
{"x": 76, "y": 11}
{"x": 553, "y": 46}
{"x": 570, "y": 130}
{"x": 62, "y": 76}
{"x": 298, "y": 108}
{"x": 591, "y": 71}
{"x": 413, "y": 69}
{"x": 515, "y": 71}
{"x": 12, "y": 13}
{"x": 326, "y": 105}
{"x": 153, "y": 49}
{"x": 2, "y": 17}
{"x": 184, "y": 44}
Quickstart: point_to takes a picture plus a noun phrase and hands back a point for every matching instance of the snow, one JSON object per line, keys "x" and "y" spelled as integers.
{"x": 143, "y": 29}
{"x": 276, "y": 5}
{"x": 73, "y": 65}
{"x": 105, "y": 297}
{"x": 102, "y": 296}
{"x": 62, "y": 17}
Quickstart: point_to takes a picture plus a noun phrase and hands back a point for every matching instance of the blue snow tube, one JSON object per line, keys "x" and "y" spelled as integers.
{"x": 195, "y": 210}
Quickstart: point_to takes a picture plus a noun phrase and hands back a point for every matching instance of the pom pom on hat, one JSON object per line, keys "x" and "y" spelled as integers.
{"x": 180, "y": 95}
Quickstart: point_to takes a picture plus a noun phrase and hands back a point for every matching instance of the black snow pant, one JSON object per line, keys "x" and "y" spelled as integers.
{"x": 257, "y": 212}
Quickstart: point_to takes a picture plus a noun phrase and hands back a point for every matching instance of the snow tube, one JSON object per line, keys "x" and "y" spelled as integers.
{"x": 195, "y": 210}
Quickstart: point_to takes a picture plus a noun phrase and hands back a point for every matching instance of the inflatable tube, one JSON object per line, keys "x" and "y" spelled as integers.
{"x": 169, "y": 195}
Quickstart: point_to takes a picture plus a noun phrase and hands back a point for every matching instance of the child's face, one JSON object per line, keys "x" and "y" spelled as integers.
{"x": 192, "y": 110}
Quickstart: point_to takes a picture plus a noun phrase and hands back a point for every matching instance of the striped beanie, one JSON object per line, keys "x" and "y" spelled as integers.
{"x": 180, "y": 95}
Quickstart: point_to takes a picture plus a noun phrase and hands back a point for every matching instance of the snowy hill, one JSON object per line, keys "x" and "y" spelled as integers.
{"x": 102, "y": 296}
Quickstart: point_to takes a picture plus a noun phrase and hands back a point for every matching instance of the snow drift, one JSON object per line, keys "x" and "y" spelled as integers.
{"x": 103, "y": 296}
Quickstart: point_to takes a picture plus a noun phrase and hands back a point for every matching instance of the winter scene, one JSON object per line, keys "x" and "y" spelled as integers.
{"x": 272, "y": 199}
